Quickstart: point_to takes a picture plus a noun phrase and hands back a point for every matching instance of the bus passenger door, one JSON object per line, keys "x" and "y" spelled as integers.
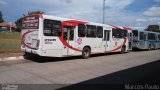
{"x": 107, "y": 40}
{"x": 69, "y": 38}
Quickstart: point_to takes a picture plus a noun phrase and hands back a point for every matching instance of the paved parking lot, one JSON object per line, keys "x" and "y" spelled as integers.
{"x": 71, "y": 70}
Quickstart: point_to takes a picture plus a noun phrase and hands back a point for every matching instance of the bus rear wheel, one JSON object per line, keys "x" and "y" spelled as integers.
{"x": 149, "y": 47}
{"x": 29, "y": 55}
{"x": 155, "y": 48}
{"x": 86, "y": 52}
{"x": 123, "y": 49}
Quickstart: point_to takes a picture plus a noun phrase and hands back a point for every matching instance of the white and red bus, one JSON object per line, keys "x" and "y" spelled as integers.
{"x": 53, "y": 36}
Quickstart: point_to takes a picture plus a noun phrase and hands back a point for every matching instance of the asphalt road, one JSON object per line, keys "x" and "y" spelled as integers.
{"x": 129, "y": 68}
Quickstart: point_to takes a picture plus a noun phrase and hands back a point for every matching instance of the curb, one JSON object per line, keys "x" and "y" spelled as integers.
{"x": 11, "y": 58}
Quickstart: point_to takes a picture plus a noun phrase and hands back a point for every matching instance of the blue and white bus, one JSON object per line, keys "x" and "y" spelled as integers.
{"x": 146, "y": 40}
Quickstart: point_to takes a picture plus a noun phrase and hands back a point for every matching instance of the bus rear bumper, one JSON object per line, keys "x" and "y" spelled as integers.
{"x": 46, "y": 53}
{"x": 30, "y": 51}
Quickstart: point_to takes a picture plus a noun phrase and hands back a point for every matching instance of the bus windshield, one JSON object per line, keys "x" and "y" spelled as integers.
{"x": 30, "y": 22}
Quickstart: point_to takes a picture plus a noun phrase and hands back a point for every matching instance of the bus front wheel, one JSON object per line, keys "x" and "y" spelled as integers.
{"x": 86, "y": 52}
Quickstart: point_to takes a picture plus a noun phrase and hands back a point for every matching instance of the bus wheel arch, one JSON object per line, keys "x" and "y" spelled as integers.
{"x": 86, "y": 52}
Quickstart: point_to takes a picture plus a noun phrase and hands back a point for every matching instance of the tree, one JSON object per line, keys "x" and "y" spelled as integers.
{"x": 19, "y": 24}
{"x": 153, "y": 28}
{"x": 1, "y": 17}
{"x": 19, "y": 21}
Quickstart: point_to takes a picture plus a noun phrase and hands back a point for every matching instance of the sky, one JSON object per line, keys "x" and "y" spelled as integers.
{"x": 137, "y": 14}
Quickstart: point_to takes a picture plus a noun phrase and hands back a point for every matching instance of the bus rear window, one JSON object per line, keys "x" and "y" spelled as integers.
{"x": 31, "y": 22}
{"x": 151, "y": 36}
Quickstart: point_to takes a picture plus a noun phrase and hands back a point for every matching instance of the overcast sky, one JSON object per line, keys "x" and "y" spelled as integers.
{"x": 131, "y": 13}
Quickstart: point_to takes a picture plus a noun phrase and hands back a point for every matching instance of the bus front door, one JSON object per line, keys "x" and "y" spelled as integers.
{"x": 107, "y": 40}
{"x": 68, "y": 36}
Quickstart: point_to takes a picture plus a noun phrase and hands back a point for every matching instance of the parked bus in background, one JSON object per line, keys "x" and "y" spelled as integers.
{"x": 146, "y": 40}
{"x": 52, "y": 36}
{"x": 123, "y": 32}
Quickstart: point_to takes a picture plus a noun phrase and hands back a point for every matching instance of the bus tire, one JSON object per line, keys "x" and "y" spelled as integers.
{"x": 29, "y": 55}
{"x": 149, "y": 48}
{"x": 123, "y": 49}
{"x": 155, "y": 48}
{"x": 86, "y": 52}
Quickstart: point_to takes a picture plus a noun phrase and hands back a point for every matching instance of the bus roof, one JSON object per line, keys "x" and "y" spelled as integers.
{"x": 73, "y": 20}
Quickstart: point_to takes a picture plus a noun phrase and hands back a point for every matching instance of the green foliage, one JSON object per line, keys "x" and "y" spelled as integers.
{"x": 1, "y": 17}
{"x": 9, "y": 45}
{"x": 9, "y": 42}
{"x": 9, "y": 35}
{"x": 19, "y": 25}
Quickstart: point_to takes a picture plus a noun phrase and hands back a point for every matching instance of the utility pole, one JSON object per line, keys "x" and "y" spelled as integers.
{"x": 104, "y": 11}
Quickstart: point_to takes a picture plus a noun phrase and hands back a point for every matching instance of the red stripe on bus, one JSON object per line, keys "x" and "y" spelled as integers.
{"x": 119, "y": 47}
{"x": 23, "y": 38}
{"x": 39, "y": 15}
{"x": 116, "y": 27}
{"x": 64, "y": 42}
{"x": 73, "y": 23}
{"x": 123, "y": 28}
{"x": 126, "y": 28}
{"x": 124, "y": 42}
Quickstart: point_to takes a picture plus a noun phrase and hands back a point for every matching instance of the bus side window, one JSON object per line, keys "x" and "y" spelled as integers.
{"x": 125, "y": 33}
{"x": 114, "y": 33}
{"x": 145, "y": 37}
{"x": 151, "y": 36}
{"x": 52, "y": 28}
{"x": 156, "y": 36}
{"x": 81, "y": 30}
{"x": 135, "y": 33}
{"x": 159, "y": 36}
{"x": 141, "y": 36}
{"x": 120, "y": 33}
{"x": 91, "y": 31}
{"x": 131, "y": 34}
{"x": 100, "y": 32}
